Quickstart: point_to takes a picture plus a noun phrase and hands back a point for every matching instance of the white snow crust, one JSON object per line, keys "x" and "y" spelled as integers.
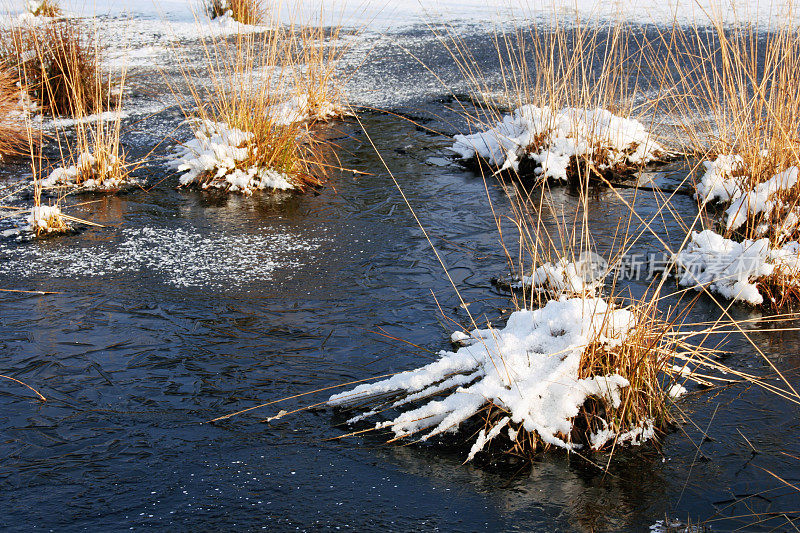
{"x": 45, "y": 218}
{"x": 529, "y": 368}
{"x": 212, "y": 157}
{"x": 552, "y": 140}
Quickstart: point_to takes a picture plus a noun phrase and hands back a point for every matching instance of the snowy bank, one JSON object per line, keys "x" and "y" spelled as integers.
{"x": 552, "y": 143}
{"x": 530, "y": 369}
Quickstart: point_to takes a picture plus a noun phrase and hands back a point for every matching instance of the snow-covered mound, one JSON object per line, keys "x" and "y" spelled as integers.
{"x": 529, "y": 368}
{"x": 583, "y": 277}
{"x": 722, "y": 180}
{"x": 46, "y": 219}
{"x": 734, "y": 269}
{"x": 216, "y": 157}
{"x": 762, "y": 199}
{"x": 551, "y": 141}
{"x": 89, "y": 173}
{"x": 726, "y": 181}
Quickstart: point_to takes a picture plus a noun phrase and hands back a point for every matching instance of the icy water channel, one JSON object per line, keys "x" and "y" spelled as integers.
{"x": 187, "y": 306}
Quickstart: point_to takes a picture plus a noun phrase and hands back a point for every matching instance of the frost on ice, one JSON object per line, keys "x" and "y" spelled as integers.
{"x": 529, "y": 368}
{"x": 552, "y": 141}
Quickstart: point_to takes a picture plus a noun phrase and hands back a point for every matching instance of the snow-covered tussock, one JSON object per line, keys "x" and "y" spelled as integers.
{"x": 530, "y": 368}
{"x": 89, "y": 173}
{"x": 552, "y": 140}
{"x": 761, "y": 199}
{"x": 725, "y": 181}
{"x": 46, "y": 219}
{"x": 721, "y": 181}
{"x": 734, "y": 269}
{"x": 216, "y": 158}
{"x": 582, "y": 277}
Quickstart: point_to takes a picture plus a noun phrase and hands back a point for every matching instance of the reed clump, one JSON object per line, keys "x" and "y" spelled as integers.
{"x": 57, "y": 64}
{"x": 573, "y": 90}
{"x": 252, "y": 121}
{"x": 16, "y": 138}
{"x": 244, "y": 11}
{"x": 735, "y": 99}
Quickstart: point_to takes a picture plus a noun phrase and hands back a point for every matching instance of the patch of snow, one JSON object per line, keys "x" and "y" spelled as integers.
{"x": 529, "y": 368}
{"x": 761, "y": 198}
{"x": 718, "y": 183}
{"x": 582, "y": 277}
{"x": 724, "y": 266}
{"x": 553, "y": 140}
{"x": 213, "y": 157}
{"x": 46, "y": 218}
{"x": 84, "y": 175}
{"x": 676, "y": 391}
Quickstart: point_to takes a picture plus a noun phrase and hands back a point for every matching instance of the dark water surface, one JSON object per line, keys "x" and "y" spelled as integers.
{"x": 188, "y": 306}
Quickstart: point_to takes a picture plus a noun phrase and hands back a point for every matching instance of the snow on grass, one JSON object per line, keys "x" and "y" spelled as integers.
{"x": 583, "y": 277}
{"x": 89, "y": 173}
{"x": 721, "y": 181}
{"x": 45, "y": 219}
{"x": 552, "y": 141}
{"x": 181, "y": 257}
{"x": 761, "y": 199}
{"x": 529, "y": 369}
{"x": 213, "y": 159}
{"x": 726, "y": 267}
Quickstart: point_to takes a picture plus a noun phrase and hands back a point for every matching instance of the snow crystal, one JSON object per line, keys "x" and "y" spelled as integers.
{"x": 529, "y": 368}
{"x": 552, "y": 140}
{"x": 724, "y": 266}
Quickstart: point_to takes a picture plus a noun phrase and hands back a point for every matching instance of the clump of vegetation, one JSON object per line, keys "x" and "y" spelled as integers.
{"x": 743, "y": 82}
{"x": 16, "y": 137}
{"x": 43, "y": 8}
{"x": 243, "y": 11}
{"x": 252, "y": 132}
{"x": 57, "y": 65}
{"x": 572, "y": 90}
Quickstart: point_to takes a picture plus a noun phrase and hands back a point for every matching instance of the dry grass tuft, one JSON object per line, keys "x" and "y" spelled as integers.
{"x": 44, "y": 8}
{"x": 259, "y": 103}
{"x": 57, "y": 64}
{"x": 15, "y": 137}
{"x": 735, "y": 92}
{"x": 557, "y": 66}
{"x": 244, "y": 11}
